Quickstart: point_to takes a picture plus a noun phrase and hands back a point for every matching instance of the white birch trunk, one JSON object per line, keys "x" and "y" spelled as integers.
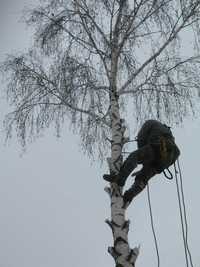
{"x": 123, "y": 255}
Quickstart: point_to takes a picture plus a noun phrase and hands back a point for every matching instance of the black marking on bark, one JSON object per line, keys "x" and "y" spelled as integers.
{"x": 115, "y": 192}
{"x": 115, "y": 224}
{"x": 126, "y": 225}
{"x": 119, "y": 214}
{"x": 116, "y": 95}
{"x": 114, "y": 116}
{"x": 116, "y": 253}
{"x": 109, "y": 140}
{"x": 112, "y": 203}
{"x": 119, "y": 265}
{"x": 131, "y": 254}
{"x": 118, "y": 124}
{"x": 120, "y": 239}
{"x": 116, "y": 162}
{"x": 118, "y": 131}
{"x": 116, "y": 167}
{"x": 117, "y": 136}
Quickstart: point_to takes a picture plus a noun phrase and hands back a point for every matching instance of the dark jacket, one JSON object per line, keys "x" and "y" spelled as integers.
{"x": 160, "y": 137}
{"x": 151, "y": 132}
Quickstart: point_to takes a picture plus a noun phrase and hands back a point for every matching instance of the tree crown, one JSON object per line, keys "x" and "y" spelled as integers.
{"x": 69, "y": 70}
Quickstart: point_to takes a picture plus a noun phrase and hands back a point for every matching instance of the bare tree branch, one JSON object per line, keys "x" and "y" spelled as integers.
{"x": 171, "y": 37}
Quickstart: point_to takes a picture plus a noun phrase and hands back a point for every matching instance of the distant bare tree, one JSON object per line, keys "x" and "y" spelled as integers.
{"x": 95, "y": 60}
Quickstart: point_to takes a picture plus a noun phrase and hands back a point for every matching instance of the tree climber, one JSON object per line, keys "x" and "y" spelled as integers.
{"x": 156, "y": 151}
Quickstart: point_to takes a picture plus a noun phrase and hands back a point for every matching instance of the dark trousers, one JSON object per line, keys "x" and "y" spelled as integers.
{"x": 144, "y": 155}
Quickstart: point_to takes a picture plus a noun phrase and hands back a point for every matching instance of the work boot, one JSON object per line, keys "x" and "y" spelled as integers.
{"x": 131, "y": 193}
{"x": 113, "y": 178}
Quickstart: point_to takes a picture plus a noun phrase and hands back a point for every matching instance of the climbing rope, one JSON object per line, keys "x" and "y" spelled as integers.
{"x": 182, "y": 210}
{"x": 152, "y": 225}
{"x": 183, "y": 214}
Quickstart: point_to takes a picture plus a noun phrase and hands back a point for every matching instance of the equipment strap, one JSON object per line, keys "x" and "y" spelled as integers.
{"x": 170, "y": 176}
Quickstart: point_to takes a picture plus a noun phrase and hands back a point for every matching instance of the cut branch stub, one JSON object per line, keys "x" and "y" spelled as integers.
{"x": 133, "y": 255}
{"x": 113, "y": 252}
{"x": 109, "y": 223}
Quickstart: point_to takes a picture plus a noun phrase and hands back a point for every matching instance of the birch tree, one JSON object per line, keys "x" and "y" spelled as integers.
{"x": 95, "y": 61}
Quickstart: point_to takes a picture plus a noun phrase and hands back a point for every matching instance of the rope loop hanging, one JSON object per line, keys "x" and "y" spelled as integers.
{"x": 169, "y": 176}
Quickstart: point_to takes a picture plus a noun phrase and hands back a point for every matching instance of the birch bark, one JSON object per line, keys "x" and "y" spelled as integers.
{"x": 123, "y": 255}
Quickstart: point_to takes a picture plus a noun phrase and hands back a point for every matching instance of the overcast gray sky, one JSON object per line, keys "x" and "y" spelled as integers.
{"x": 52, "y": 203}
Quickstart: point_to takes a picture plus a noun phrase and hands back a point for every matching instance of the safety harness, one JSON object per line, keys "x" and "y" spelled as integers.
{"x": 164, "y": 153}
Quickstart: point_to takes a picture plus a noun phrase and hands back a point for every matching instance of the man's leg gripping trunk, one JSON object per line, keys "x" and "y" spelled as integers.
{"x": 144, "y": 155}
{"x": 140, "y": 183}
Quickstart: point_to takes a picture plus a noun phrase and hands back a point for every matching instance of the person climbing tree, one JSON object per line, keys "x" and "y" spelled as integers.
{"x": 156, "y": 151}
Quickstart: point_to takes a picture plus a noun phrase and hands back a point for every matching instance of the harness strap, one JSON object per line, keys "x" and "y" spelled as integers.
{"x": 170, "y": 176}
{"x": 163, "y": 148}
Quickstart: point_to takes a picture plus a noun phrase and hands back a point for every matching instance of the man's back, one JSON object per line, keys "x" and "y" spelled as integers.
{"x": 150, "y": 132}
